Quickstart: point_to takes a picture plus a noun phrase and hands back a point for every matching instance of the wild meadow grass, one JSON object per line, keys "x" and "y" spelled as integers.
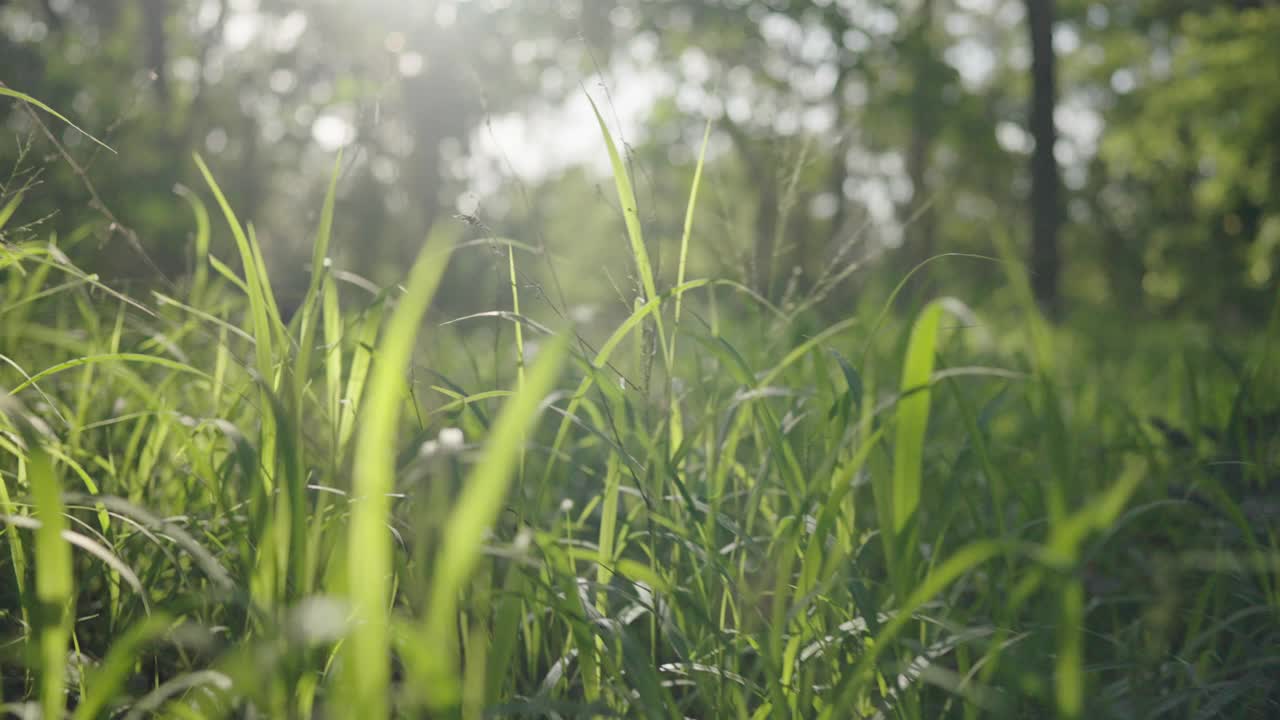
{"x": 721, "y": 509}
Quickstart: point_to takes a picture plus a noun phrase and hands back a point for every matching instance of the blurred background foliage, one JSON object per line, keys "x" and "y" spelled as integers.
{"x": 841, "y": 131}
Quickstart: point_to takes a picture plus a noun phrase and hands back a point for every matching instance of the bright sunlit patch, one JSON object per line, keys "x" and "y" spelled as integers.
{"x": 410, "y": 64}
{"x": 331, "y": 132}
{"x": 289, "y": 30}
{"x": 240, "y": 30}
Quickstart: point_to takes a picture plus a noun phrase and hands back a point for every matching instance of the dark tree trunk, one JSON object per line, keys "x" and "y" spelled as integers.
{"x": 1045, "y": 183}
{"x": 918, "y": 234}
{"x": 923, "y": 105}
{"x": 154, "y": 15}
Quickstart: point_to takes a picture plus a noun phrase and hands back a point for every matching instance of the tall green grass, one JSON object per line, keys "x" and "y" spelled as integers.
{"x": 211, "y": 512}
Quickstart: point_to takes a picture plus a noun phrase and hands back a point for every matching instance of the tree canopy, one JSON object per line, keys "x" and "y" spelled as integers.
{"x": 842, "y": 128}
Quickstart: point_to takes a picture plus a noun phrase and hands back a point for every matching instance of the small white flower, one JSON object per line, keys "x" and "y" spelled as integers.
{"x": 428, "y": 448}
{"x": 328, "y": 262}
{"x": 566, "y": 505}
{"x": 450, "y": 438}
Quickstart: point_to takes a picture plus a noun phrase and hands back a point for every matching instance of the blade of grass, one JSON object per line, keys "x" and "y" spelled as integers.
{"x": 630, "y": 208}
{"x": 6, "y": 92}
{"x": 258, "y": 303}
{"x": 369, "y": 561}
{"x": 631, "y": 217}
{"x": 54, "y": 583}
{"x": 200, "y": 273}
{"x": 947, "y": 572}
{"x": 913, "y": 416}
{"x": 110, "y": 357}
{"x": 332, "y": 315}
{"x": 361, "y": 360}
{"x": 688, "y": 222}
{"x": 9, "y": 209}
{"x": 474, "y": 513}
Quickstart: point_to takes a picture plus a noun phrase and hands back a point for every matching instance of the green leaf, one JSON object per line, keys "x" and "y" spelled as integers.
{"x": 49, "y": 612}
{"x": 474, "y": 514}
{"x": 369, "y": 566}
{"x": 913, "y": 416}
{"x": 4, "y": 91}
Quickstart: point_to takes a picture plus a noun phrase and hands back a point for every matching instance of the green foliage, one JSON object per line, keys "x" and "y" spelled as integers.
{"x": 241, "y": 493}
{"x": 582, "y": 566}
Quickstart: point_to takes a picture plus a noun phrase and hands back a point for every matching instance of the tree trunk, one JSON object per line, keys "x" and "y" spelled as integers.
{"x": 154, "y": 15}
{"x": 919, "y": 227}
{"x": 919, "y": 230}
{"x": 1045, "y": 183}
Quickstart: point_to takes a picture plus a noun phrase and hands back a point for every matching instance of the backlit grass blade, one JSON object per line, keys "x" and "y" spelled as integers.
{"x": 258, "y": 302}
{"x": 264, "y": 282}
{"x": 9, "y": 209}
{"x": 947, "y": 572}
{"x": 6, "y": 92}
{"x": 688, "y": 219}
{"x": 630, "y": 208}
{"x": 1064, "y": 547}
{"x": 476, "y": 510}
{"x": 331, "y": 313}
{"x": 913, "y": 416}
{"x": 361, "y": 360}
{"x": 676, "y": 420}
{"x": 1020, "y": 281}
{"x": 898, "y": 503}
{"x": 49, "y": 613}
{"x": 631, "y": 217}
{"x": 369, "y": 543}
{"x": 225, "y": 271}
{"x": 18, "y": 556}
{"x": 601, "y": 359}
{"x": 515, "y": 309}
{"x": 200, "y": 274}
{"x": 1068, "y": 666}
{"x": 108, "y": 358}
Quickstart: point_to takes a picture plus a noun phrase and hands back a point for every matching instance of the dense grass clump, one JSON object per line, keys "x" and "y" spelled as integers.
{"x": 722, "y": 509}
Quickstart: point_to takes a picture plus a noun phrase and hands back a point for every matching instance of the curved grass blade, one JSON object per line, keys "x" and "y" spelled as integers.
{"x": 107, "y": 357}
{"x": 475, "y": 512}
{"x": 200, "y": 275}
{"x": 964, "y": 560}
{"x": 369, "y": 566}
{"x": 913, "y": 416}
{"x": 49, "y": 613}
{"x": 6, "y": 92}
{"x": 688, "y": 219}
{"x": 258, "y": 304}
{"x": 631, "y": 217}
